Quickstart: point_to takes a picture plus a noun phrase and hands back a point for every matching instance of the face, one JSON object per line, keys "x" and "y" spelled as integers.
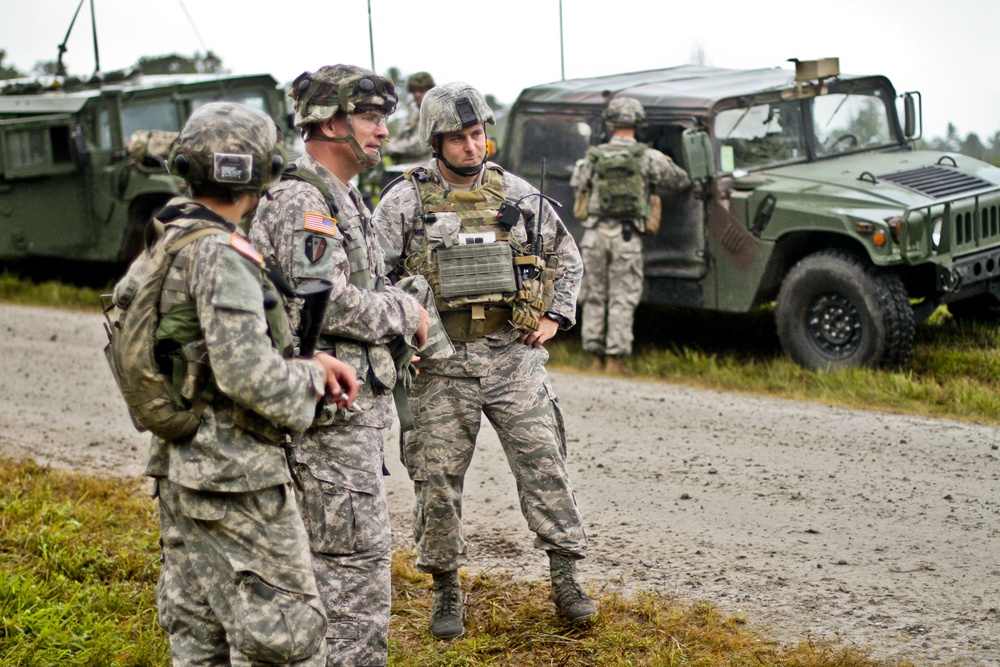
{"x": 465, "y": 148}
{"x": 418, "y": 97}
{"x": 369, "y": 130}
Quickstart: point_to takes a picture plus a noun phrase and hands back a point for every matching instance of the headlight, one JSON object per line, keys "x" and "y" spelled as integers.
{"x": 937, "y": 226}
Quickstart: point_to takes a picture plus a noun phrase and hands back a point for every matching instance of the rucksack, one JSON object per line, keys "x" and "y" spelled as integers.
{"x": 616, "y": 184}
{"x": 155, "y": 399}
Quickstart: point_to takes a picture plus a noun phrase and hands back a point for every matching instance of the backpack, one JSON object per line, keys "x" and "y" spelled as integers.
{"x": 617, "y": 185}
{"x": 158, "y": 400}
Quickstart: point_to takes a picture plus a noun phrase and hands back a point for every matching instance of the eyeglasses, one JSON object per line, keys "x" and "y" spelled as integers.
{"x": 373, "y": 117}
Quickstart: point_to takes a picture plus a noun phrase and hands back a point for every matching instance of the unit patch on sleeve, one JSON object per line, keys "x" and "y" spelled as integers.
{"x": 315, "y": 248}
{"x": 317, "y": 222}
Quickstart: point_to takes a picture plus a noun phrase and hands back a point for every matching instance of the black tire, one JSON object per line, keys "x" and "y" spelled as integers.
{"x": 984, "y": 308}
{"x": 834, "y": 310}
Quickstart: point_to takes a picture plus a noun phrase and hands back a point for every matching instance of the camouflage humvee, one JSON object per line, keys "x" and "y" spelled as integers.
{"x": 809, "y": 194}
{"x": 82, "y": 164}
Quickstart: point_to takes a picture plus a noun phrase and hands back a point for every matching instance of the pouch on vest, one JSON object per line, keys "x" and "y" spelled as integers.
{"x": 617, "y": 184}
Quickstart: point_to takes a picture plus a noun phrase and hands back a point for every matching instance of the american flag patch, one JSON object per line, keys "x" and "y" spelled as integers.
{"x": 316, "y": 222}
{"x": 244, "y": 248}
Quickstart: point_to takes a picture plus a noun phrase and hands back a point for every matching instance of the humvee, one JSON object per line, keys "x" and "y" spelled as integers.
{"x": 82, "y": 163}
{"x": 809, "y": 194}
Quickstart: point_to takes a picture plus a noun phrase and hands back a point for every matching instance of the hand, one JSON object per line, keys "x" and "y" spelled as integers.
{"x": 425, "y": 324}
{"x": 341, "y": 381}
{"x": 546, "y": 329}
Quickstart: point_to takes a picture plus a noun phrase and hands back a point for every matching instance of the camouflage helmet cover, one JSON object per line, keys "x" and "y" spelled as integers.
{"x": 321, "y": 94}
{"x": 229, "y": 145}
{"x": 419, "y": 81}
{"x": 451, "y": 107}
{"x": 624, "y": 112}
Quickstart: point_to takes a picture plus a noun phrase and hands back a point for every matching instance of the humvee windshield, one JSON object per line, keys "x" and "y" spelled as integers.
{"x": 769, "y": 133}
{"x": 165, "y": 115}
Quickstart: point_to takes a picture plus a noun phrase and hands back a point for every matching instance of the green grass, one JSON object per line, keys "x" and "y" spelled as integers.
{"x": 79, "y": 563}
{"x": 50, "y": 293}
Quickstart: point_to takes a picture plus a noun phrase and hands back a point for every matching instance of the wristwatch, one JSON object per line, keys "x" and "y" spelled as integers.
{"x": 557, "y": 318}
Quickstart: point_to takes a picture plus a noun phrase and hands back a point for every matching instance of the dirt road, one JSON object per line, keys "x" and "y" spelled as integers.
{"x": 814, "y": 522}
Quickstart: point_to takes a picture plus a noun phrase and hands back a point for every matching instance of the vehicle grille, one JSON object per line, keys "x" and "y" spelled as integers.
{"x": 936, "y": 181}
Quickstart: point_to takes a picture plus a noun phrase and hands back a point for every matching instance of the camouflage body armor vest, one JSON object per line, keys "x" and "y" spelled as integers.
{"x": 473, "y": 262}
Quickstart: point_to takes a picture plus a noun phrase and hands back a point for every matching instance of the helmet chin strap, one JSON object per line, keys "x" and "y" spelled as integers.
{"x": 350, "y": 140}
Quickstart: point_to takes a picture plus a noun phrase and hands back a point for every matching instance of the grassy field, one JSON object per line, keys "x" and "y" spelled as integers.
{"x": 79, "y": 562}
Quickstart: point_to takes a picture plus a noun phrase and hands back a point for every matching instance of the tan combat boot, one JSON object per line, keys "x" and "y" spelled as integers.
{"x": 446, "y": 610}
{"x": 597, "y": 362}
{"x": 613, "y": 365}
{"x": 572, "y": 603}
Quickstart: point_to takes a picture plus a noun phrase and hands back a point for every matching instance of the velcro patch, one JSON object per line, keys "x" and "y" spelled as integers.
{"x": 242, "y": 246}
{"x": 233, "y": 168}
{"x": 315, "y": 248}
{"x": 317, "y": 222}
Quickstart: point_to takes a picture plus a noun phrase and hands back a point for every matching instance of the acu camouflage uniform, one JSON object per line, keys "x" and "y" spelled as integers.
{"x": 338, "y": 464}
{"x": 236, "y": 586}
{"x": 613, "y": 278}
{"x": 492, "y": 374}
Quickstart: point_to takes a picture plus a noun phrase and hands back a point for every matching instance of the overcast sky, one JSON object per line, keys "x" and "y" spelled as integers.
{"x": 946, "y": 49}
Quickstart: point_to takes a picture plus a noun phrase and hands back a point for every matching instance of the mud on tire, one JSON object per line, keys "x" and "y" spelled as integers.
{"x": 835, "y": 310}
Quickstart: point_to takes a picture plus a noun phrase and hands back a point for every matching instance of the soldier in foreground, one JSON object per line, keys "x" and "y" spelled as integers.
{"x": 618, "y": 187}
{"x": 470, "y": 229}
{"x": 406, "y": 147}
{"x": 313, "y": 225}
{"x": 237, "y": 583}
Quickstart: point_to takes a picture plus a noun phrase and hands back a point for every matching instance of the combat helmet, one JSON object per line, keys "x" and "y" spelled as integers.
{"x": 452, "y": 107}
{"x": 227, "y": 148}
{"x": 419, "y": 81}
{"x": 624, "y": 112}
{"x": 321, "y": 94}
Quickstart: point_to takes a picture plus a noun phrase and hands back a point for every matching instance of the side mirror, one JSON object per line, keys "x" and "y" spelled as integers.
{"x": 913, "y": 115}
{"x": 78, "y": 147}
{"x": 698, "y": 158}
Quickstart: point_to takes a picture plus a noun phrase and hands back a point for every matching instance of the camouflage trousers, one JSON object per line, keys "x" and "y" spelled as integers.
{"x": 519, "y": 402}
{"x": 236, "y": 586}
{"x": 338, "y": 480}
{"x": 611, "y": 290}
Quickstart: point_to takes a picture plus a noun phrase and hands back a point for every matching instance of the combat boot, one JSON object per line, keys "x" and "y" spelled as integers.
{"x": 597, "y": 362}
{"x": 446, "y": 611}
{"x": 572, "y": 603}
{"x": 613, "y": 365}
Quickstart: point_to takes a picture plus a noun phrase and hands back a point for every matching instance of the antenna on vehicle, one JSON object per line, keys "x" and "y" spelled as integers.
{"x": 60, "y": 68}
{"x": 93, "y": 27}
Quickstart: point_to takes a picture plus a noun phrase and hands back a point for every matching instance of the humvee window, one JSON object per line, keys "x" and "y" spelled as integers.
{"x": 161, "y": 115}
{"x": 561, "y": 140}
{"x": 843, "y": 122}
{"x": 36, "y": 147}
{"x": 251, "y": 99}
{"x": 759, "y": 135}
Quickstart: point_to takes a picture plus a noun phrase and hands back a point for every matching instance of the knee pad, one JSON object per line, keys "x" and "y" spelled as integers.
{"x": 277, "y": 626}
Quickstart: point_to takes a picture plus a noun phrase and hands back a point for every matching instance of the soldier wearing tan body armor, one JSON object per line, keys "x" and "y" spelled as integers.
{"x": 314, "y": 225}
{"x": 236, "y": 586}
{"x": 470, "y": 228}
{"x": 618, "y": 186}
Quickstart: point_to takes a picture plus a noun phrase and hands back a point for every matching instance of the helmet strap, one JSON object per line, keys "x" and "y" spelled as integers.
{"x": 351, "y": 141}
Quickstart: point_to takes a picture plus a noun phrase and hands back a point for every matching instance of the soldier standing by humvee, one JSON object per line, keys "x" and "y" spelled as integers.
{"x": 314, "y": 225}
{"x": 406, "y": 146}
{"x": 236, "y": 582}
{"x": 469, "y": 228}
{"x": 617, "y": 199}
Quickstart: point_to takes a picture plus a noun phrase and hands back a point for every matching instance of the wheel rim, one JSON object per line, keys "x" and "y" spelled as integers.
{"x": 834, "y": 325}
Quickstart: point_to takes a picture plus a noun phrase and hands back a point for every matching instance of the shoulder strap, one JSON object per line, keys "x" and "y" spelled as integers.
{"x": 300, "y": 173}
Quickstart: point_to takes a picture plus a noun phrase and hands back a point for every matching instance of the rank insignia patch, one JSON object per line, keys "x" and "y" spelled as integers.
{"x": 315, "y": 248}
{"x": 316, "y": 222}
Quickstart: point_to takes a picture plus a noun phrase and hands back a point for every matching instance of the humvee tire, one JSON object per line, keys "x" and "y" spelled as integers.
{"x": 836, "y": 311}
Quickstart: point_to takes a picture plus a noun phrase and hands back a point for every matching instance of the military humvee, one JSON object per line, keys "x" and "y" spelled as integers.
{"x": 809, "y": 194}
{"x": 82, "y": 163}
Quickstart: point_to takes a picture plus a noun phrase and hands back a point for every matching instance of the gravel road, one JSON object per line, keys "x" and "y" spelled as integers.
{"x": 812, "y": 522}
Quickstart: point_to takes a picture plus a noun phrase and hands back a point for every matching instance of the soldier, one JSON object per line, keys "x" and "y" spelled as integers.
{"x": 406, "y": 146}
{"x": 314, "y": 225}
{"x": 236, "y": 582}
{"x": 618, "y": 188}
{"x": 468, "y": 227}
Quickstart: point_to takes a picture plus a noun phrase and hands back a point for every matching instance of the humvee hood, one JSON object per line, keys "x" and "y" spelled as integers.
{"x": 892, "y": 179}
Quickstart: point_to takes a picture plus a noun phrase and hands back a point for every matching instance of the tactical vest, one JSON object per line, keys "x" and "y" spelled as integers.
{"x": 375, "y": 364}
{"x": 470, "y": 260}
{"x": 156, "y": 350}
{"x": 618, "y": 191}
